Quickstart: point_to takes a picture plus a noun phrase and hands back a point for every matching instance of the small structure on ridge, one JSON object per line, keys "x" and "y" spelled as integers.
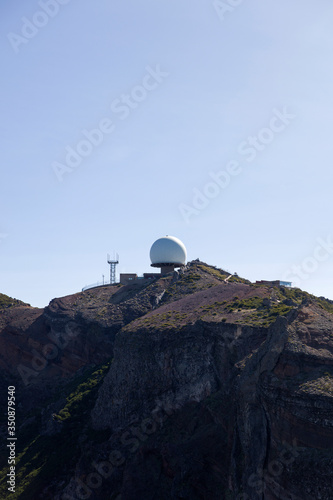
{"x": 168, "y": 253}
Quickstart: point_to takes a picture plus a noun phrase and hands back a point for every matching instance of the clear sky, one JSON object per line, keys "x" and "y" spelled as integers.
{"x": 121, "y": 122}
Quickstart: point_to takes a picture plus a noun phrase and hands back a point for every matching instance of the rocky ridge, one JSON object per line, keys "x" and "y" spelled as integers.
{"x": 217, "y": 389}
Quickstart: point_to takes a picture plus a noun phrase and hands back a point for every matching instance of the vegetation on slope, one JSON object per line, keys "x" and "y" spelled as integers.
{"x": 6, "y": 301}
{"x": 167, "y": 320}
{"x": 222, "y": 275}
{"x": 323, "y": 385}
{"x": 188, "y": 283}
{"x": 41, "y": 457}
{"x": 298, "y": 297}
{"x": 257, "y": 311}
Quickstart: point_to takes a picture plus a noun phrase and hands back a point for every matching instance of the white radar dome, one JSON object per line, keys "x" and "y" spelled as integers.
{"x": 168, "y": 251}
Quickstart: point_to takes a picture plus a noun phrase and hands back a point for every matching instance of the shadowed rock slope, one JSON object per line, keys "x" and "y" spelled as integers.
{"x": 185, "y": 387}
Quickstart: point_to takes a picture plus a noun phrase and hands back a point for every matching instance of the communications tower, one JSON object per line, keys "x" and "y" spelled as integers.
{"x": 113, "y": 262}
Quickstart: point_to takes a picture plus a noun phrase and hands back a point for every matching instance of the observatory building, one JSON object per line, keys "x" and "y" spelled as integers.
{"x": 168, "y": 253}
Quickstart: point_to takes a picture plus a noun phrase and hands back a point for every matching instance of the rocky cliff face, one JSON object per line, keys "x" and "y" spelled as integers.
{"x": 39, "y": 347}
{"x": 216, "y": 390}
{"x": 276, "y": 380}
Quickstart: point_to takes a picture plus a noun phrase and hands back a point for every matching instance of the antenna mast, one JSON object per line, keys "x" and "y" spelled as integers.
{"x": 113, "y": 262}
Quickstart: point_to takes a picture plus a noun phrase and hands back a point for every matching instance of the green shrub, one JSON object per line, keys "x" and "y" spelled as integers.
{"x": 6, "y": 301}
{"x": 77, "y": 400}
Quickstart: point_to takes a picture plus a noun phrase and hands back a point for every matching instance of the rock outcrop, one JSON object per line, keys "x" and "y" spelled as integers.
{"x": 217, "y": 389}
{"x": 276, "y": 380}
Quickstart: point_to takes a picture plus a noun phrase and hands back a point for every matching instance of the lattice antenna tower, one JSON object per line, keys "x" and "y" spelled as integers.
{"x": 113, "y": 262}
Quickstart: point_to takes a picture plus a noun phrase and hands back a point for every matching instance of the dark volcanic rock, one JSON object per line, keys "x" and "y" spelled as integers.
{"x": 41, "y": 346}
{"x": 280, "y": 402}
{"x": 218, "y": 390}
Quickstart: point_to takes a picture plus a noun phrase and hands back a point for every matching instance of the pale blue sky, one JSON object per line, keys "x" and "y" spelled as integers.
{"x": 224, "y": 79}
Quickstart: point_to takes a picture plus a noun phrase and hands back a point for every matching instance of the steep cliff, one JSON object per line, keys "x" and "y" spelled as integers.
{"x": 277, "y": 381}
{"x": 217, "y": 389}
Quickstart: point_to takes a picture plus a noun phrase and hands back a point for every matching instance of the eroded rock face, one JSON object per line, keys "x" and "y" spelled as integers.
{"x": 218, "y": 389}
{"x": 279, "y": 427}
{"x": 175, "y": 367}
{"x": 42, "y": 348}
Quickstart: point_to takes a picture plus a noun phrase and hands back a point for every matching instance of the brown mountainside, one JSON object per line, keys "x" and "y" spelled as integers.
{"x": 190, "y": 386}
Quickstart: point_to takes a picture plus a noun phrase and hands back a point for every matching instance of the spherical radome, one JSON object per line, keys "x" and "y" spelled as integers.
{"x": 168, "y": 250}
